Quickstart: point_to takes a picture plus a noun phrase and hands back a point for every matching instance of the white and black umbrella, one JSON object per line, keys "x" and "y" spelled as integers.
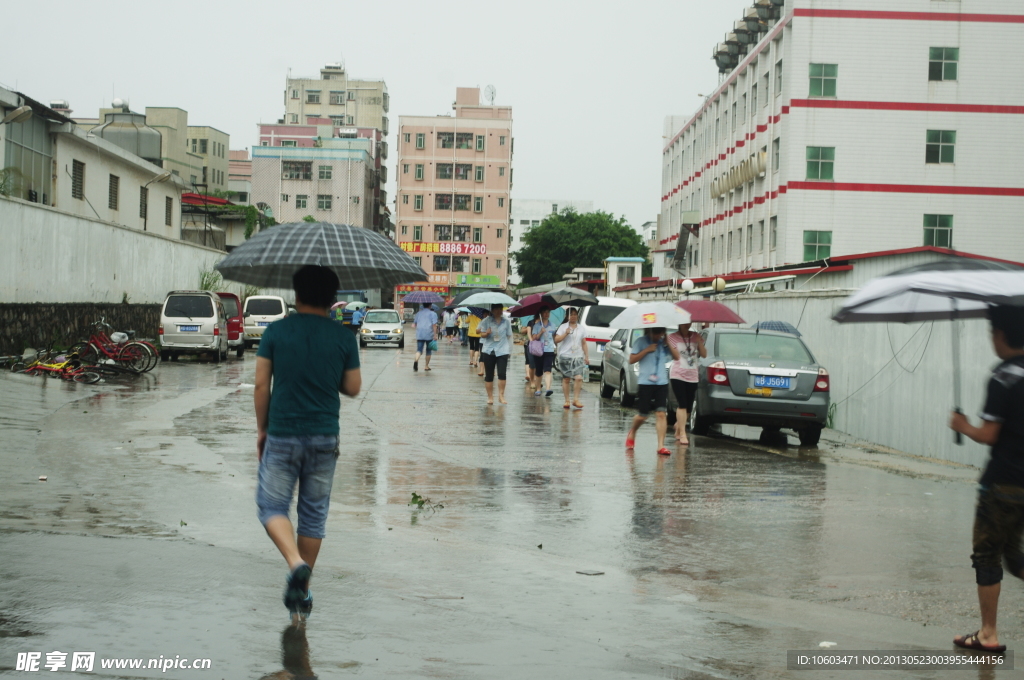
{"x": 360, "y": 257}
{"x": 946, "y": 290}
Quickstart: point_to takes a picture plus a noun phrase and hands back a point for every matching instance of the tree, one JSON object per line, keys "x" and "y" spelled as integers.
{"x": 309, "y": 218}
{"x": 569, "y": 239}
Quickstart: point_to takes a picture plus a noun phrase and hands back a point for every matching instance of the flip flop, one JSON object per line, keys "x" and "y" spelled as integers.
{"x": 664, "y": 452}
{"x": 577, "y": 405}
{"x": 566, "y": 407}
{"x": 972, "y": 642}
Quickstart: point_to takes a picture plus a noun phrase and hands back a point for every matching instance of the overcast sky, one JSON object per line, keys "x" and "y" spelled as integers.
{"x": 589, "y": 83}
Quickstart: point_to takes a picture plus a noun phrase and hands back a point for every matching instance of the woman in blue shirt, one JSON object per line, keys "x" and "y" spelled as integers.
{"x": 544, "y": 330}
{"x": 496, "y": 333}
{"x": 652, "y": 352}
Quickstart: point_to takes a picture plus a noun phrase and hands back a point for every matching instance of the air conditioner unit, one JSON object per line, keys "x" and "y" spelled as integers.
{"x": 743, "y": 33}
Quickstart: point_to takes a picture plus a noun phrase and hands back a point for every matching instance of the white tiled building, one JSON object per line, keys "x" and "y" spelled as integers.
{"x": 846, "y": 127}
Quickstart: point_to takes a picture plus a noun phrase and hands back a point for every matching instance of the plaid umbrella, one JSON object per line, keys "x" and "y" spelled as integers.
{"x": 780, "y": 326}
{"x": 423, "y": 296}
{"x": 361, "y": 258}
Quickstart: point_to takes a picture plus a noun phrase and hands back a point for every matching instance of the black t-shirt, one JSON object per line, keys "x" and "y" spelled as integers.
{"x": 1005, "y": 404}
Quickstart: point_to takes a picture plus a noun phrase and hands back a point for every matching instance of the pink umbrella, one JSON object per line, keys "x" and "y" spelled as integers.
{"x": 531, "y": 305}
{"x": 709, "y": 311}
{"x": 339, "y": 304}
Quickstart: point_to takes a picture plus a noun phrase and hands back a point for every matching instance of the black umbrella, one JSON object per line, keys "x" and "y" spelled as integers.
{"x": 574, "y": 297}
{"x": 360, "y": 257}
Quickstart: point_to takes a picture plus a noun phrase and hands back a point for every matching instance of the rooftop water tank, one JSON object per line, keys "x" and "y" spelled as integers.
{"x": 129, "y": 131}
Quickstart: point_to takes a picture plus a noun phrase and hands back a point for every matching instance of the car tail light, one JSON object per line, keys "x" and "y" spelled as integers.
{"x": 822, "y": 382}
{"x": 160, "y": 331}
{"x": 216, "y": 330}
{"x": 717, "y": 374}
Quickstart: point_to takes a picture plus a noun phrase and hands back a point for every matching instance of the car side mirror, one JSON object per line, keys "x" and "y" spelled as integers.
{"x": 615, "y": 344}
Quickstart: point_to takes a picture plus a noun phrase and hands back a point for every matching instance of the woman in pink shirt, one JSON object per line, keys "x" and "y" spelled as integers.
{"x": 683, "y": 375}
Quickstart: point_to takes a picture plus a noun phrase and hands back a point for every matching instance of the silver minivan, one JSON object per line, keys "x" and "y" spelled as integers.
{"x": 258, "y": 312}
{"x": 193, "y": 322}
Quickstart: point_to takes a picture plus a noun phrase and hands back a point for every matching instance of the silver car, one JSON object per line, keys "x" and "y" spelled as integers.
{"x": 193, "y": 322}
{"x": 380, "y": 326}
{"x": 761, "y": 378}
{"x": 618, "y": 374}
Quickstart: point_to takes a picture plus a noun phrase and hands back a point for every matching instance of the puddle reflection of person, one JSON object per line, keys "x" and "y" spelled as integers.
{"x": 294, "y": 656}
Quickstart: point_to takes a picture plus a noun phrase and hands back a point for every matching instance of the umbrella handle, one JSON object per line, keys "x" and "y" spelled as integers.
{"x": 958, "y": 438}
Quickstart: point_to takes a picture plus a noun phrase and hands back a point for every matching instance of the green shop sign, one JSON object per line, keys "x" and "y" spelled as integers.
{"x": 479, "y": 281}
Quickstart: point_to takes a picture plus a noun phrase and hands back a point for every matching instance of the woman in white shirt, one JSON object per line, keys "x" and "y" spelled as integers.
{"x": 573, "y": 362}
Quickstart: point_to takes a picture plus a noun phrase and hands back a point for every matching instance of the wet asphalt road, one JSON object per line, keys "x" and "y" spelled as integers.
{"x": 144, "y": 541}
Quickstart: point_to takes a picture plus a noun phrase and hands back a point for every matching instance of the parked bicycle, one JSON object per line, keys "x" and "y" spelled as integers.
{"x": 64, "y": 366}
{"x": 105, "y": 345}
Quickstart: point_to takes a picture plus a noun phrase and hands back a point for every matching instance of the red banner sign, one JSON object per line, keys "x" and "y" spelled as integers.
{"x": 408, "y": 288}
{"x": 446, "y": 248}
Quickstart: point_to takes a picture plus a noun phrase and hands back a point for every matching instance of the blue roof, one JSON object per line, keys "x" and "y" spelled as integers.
{"x": 624, "y": 259}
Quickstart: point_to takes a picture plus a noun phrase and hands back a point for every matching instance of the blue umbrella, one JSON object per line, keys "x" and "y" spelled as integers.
{"x": 557, "y": 317}
{"x": 780, "y": 326}
{"x": 423, "y": 297}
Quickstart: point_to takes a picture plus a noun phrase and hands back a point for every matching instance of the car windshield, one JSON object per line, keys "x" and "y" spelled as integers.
{"x": 761, "y": 346}
{"x": 352, "y": 296}
{"x": 381, "y": 317}
{"x": 190, "y": 306}
{"x": 602, "y": 315}
{"x": 263, "y": 307}
{"x": 230, "y": 307}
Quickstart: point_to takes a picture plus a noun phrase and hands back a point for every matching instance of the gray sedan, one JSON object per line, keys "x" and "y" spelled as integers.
{"x": 761, "y": 378}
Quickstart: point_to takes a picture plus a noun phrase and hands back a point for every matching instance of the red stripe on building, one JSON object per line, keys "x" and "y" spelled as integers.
{"x": 904, "y": 106}
{"x": 909, "y": 16}
{"x": 907, "y": 189}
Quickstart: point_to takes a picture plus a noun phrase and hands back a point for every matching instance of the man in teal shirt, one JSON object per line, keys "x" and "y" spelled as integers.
{"x": 305, "y": 361}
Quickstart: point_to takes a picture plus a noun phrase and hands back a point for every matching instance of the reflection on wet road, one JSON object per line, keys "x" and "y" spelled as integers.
{"x": 716, "y": 560}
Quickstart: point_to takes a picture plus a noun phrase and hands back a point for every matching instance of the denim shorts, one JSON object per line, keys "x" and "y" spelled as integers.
{"x": 308, "y": 460}
{"x": 423, "y": 347}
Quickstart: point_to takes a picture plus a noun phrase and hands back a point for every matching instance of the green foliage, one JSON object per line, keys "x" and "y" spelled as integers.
{"x": 252, "y": 218}
{"x": 309, "y": 218}
{"x": 210, "y": 279}
{"x": 569, "y": 239}
{"x": 10, "y": 181}
{"x": 249, "y": 291}
{"x": 423, "y": 503}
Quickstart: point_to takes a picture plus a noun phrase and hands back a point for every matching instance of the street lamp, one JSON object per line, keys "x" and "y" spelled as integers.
{"x": 162, "y": 177}
{"x": 18, "y": 115}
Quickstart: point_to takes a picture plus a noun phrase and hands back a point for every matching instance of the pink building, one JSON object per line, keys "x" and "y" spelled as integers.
{"x": 453, "y": 194}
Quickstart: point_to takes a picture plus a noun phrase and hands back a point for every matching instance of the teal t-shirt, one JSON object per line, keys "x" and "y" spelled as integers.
{"x": 311, "y": 354}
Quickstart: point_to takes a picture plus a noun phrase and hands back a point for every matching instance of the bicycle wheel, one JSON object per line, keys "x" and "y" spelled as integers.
{"x": 87, "y": 377}
{"x": 135, "y": 356}
{"x": 154, "y": 355}
{"x": 87, "y": 353}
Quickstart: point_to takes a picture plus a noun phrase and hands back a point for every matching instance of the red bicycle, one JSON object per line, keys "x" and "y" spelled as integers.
{"x": 136, "y": 355}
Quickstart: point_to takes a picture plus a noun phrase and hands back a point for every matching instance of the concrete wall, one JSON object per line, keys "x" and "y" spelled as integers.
{"x": 892, "y": 383}
{"x": 41, "y": 325}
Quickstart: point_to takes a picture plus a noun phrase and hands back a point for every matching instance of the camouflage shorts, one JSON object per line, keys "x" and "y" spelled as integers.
{"x": 998, "y": 525}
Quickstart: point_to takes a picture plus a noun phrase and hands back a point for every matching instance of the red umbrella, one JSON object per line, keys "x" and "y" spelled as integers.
{"x": 709, "y": 311}
{"x": 531, "y": 305}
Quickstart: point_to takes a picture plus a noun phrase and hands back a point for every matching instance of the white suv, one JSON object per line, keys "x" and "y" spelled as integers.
{"x": 259, "y": 312}
{"x": 594, "y": 320}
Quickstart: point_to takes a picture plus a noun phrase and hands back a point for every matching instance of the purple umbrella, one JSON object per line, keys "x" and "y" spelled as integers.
{"x": 423, "y": 297}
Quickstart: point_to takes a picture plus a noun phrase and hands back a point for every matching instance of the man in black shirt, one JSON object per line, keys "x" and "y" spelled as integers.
{"x": 999, "y": 517}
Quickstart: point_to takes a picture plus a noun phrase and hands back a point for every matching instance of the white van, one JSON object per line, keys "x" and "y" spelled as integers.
{"x": 258, "y": 312}
{"x": 193, "y": 322}
{"x": 594, "y": 320}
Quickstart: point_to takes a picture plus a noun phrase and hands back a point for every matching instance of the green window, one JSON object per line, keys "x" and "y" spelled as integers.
{"x": 940, "y": 146}
{"x": 942, "y": 63}
{"x": 417, "y": 202}
{"x": 421, "y": 140}
{"x": 325, "y": 172}
{"x": 417, "y": 232}
{"x": 478, "y": 234}
{"x": 823, "y": 80}
{"x": 938, "y": 231}
{"x": 820, "y": 160}
{"x": 817, "y": 245}
{"x": 419, "y": 171}
{"x": 479, "y": 142}
{"x": 479, "y": 173}
{"x": 478, "y": 204}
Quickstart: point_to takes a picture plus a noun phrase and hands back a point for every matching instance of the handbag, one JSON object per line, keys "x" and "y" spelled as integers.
{"x": 536, "y": 348}
{"x": 433, "y": 345}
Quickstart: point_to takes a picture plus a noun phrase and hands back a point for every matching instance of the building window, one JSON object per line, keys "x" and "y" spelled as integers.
{"x": 460, "y": 264}
{"x": 77, "y": 179}
{"x": 405, "y": 168}
{"x": 284, "y": 198}
{"x": 501, "y": 140}
{"x": 479, "y": 142}
{"x": 337, "y": 121}
{"x": 460, "y": 232}
{"x": 349, "y": 120}
{"x": 301, "y": 200}
{"x": 405, "y": 230}
{"x": 463, "y": 140}
{"x": 442, "y": 232}
{"x": 476, "y": 265}
{"x": 817, "y": 245}
{"x": 417, "y": 233}
{"x": 479, "y": 173}
{"x": 478, "y": 234}
{"x": 626, "y": 274}
{"x": 499, "y": 232}
{"x": 405, "y": 199}
{"x": 313, "y": 96}
{"x": 478, "y": 204}
{"x": 760, "y": 236}
{"x": 419, "y": 171}
{"x": 778, "y": 77}
{"x": 534, "y": 223}
{"x": 820, "y": 160}
{"x": 289, "y": 143}
{"x": 445, "y": 140}
{"x": 444, "y": 170}
{"x": 405, "y": 137}
{"x": 773, "y": 225}
{"x": 112, "y": 192}
{"x": 351, "y": 96}
{"x": 462, "y": 170}
{"x": 297, "y": 170}
{"x": 421, "y": 140}
{"x": 750, "y": 239}
{"x": 938, "y": 231}
{"x": 776, "y": 147}
{"x": 325, "y": 172}
{"x": 203, "y": 146}
{"x": 442, "y": 201}
{"x": 462, "y": 201}
{"x": 143, "y": 202}
{"x": 323, "y": 202}
{"x": 295, "y": 94}
{"x": 168, "y": 210}
{"x": 942, "y": 63}
{"x": 940, "y": 146}
{"x": 501, "y": 202}
{"x": 728, "y": 251}
{"x": 442, "y": 263}
{"x": 501, "y": 171}
{"x": 293, "y": 118}
{"x": 823, "y": 80}
{"x": 195, "y": 142}
{"x": 337, "y": 97}
{"x": 417, "y": 202}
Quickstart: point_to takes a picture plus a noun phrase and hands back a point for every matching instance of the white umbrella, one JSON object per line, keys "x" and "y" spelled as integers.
{"x": 650, "y": 315}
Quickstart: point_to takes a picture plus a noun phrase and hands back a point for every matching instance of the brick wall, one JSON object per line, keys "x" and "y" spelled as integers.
{"x": 24, "y": 325}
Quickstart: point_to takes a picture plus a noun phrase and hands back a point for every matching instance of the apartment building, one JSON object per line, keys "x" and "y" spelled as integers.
{"x": 212, "y": 145}
{"x": 239, "y": 176}
{"x": 347, "y": 102}
{"x": 453, "y": 195}
{"x": 530, "y": 212}
{"x": 850, "y": 127}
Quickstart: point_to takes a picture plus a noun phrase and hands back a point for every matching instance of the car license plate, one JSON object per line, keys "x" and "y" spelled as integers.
{"x": 760, "y": 391}
{"x": 262, "y": 324}
{"x": 772, "y": 381}
{"x": 380, "y": 337}
{"x": 188, "y": 329}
